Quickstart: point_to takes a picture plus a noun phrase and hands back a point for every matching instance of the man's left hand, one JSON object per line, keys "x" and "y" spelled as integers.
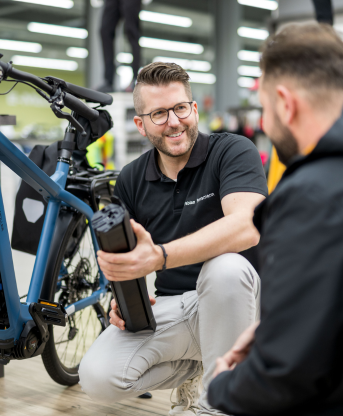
{"x": 144, "y": 259}
{"x": 238, "y": 352}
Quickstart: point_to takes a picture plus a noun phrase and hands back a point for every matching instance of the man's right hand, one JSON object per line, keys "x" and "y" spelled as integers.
{"x": 115, "y": 319}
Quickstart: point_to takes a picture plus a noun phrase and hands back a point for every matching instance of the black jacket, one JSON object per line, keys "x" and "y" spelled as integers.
{"x": 295, "y": 366}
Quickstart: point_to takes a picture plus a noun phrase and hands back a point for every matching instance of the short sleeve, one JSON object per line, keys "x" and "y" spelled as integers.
{"x": 240, "y": 167}
{"x": 121, "y": 192}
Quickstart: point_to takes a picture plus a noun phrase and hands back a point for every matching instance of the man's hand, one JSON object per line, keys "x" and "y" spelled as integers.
{"x": 238, "y": 352}
{"x": 144, "y": 259}
{"x": 115, "y": 319}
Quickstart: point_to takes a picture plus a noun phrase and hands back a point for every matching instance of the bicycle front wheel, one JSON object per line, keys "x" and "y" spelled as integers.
{"x": 76, "y": 276}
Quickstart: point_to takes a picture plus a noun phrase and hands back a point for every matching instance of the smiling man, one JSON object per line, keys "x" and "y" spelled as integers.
{"x": 191, "y": 200}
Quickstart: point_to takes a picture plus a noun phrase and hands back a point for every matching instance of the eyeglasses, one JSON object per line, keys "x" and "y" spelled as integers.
{"x": 161, "y": 115}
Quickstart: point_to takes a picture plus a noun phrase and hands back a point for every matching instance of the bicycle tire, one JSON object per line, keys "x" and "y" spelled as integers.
{"x": 61, "y": 372}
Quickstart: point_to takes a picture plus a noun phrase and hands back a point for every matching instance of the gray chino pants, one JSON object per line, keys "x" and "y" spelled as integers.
{"x": 195, "y": 327}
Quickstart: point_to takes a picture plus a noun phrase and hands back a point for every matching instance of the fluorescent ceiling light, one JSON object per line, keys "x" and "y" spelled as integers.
{"x": 194, "y": 65}
{"x": 66, "y": 31}
{"x": 97, "y": 3}
{"x": 249, "y": 56}
{"x": 171, "y": 45}
{"x": 250, "y": 71}
{"x": 124, "y": 58}
{"x": 62, "y": 4}
{"x": 249, "y": 32}
{"x": 44, "y": 63}
{"x": 77, "y": 52}
{"x": 261, "y": 4}
{"x": 14, "y": 45}
{"x": 246, "y": 82}
{"x": 125, "y": 75}
{"x": 201, "y": 78}
{"x": 165, "y": 19}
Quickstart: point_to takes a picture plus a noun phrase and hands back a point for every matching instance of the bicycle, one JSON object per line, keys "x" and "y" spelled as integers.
{"x": 63, "y": 313}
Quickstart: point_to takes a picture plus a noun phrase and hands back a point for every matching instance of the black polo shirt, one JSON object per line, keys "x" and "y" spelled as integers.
{"x": 219, "y": 164}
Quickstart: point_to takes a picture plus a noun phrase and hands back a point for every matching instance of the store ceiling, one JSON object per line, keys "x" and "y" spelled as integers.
{"x": 15, "y": 16}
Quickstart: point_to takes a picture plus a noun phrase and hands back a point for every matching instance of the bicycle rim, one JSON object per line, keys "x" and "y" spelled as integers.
{"x": 78, "y": 278}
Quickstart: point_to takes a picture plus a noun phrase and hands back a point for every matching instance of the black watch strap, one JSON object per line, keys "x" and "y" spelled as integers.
{"x": 165, "y": 255}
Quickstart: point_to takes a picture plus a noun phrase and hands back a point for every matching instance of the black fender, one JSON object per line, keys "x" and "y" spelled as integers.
{"x": 65, "y": 218}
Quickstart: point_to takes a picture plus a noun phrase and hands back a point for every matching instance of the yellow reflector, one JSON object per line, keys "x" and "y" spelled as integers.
{"x": 48, "y": 304}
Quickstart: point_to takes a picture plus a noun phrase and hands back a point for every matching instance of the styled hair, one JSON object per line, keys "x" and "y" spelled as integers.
{"x": 159, "y": 73}
{"x": 309, "y": 53}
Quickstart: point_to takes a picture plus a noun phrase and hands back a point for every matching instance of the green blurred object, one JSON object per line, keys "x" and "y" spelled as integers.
{"x": 100, "y": 154}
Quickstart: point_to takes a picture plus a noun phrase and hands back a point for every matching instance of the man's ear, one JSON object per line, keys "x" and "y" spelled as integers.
{"x": 286, "y": 105}
{"x": 195, "y": 107}
{"x": 140, "y": 126}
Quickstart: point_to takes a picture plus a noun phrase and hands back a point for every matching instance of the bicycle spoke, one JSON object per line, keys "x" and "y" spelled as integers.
{"x": 79, "y": 337}
{"x": 94, "y": 326}
{"x": 82, "y": 270}
{"x": 85, "y": 333}
{"x": 62, "y": 335}
{"x": 77, "y": 324}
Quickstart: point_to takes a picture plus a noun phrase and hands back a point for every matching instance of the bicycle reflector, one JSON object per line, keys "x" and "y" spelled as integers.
{"x": 115, "y": 235}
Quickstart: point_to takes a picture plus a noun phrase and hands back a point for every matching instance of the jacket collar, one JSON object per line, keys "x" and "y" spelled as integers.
{"x": 331, "y": 144}
{"x": 198, "y": 155}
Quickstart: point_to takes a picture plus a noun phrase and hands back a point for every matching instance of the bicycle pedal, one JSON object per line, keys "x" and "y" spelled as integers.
{"x": 51, "y": 312}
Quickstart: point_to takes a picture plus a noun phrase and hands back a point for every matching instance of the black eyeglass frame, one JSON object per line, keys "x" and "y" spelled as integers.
{"x": 167, "y": 110}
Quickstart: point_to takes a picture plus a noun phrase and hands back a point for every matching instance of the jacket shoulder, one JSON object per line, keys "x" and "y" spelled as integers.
{"x": 321, "y": 176}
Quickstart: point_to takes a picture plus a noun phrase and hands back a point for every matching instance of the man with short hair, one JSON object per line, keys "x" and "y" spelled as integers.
{"x": 293, "y": 365}
{"x": 193, "y": 194}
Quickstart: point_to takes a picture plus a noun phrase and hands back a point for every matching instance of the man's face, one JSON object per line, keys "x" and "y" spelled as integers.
{"x": 282, "y": 138}
{"x": 177, "y": 136}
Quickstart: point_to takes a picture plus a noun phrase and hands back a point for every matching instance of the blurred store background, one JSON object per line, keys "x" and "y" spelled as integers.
{"x": 216, "y": 41}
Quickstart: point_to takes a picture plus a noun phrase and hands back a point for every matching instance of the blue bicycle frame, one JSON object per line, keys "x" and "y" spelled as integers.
{"x": 53, "y": 190}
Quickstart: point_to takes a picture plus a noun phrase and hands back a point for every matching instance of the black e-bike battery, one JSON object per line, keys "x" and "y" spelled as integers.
{"x": 115, "y": 235}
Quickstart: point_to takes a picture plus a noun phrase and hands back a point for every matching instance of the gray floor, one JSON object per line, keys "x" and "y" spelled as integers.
{"x": 27, "y": 390}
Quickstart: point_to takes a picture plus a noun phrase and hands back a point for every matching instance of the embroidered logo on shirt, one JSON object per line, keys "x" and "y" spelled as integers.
{"x": 199, "y": 199}
{"x": 205, "y": 197}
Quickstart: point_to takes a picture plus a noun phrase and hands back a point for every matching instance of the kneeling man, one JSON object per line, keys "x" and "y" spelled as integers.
{"x": 195, "y": 195}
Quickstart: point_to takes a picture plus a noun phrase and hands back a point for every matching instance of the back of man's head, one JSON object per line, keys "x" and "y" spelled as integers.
{"x": 159, "y": 74}
{"x": 309, "y": 54}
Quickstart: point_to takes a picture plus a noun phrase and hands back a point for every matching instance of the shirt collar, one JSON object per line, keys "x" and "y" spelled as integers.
{"x": 198, "y": 155}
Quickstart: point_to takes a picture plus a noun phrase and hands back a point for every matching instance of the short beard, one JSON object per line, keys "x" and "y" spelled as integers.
{"x": 159, "y": 143}
{"x": 285, "y": 143}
